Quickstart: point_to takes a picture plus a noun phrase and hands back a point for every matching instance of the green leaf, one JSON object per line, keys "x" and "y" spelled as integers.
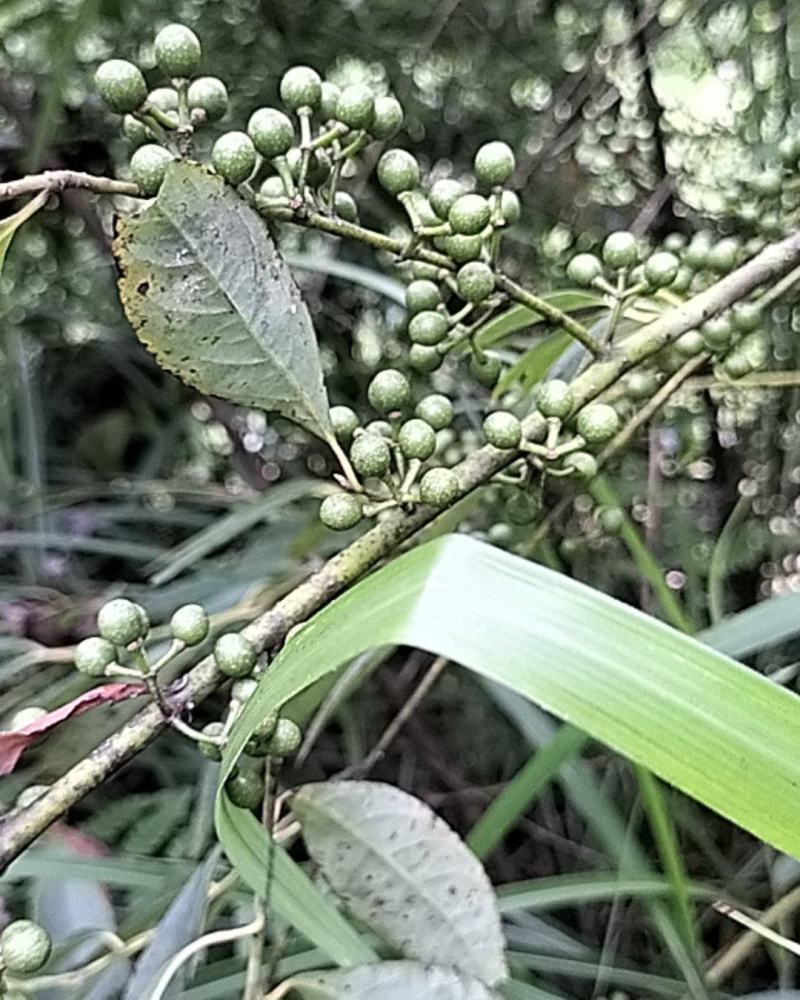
{"x": 518, "y": 318}
{"x": 11, "y": 223}
{"x": 404, "y": 873}
{"x": 766, "y": 624}
{"x": 711, "y": 727}
{"x": 390, "y": 981}
{"x": 206, "y": 291}
{"x": 534, "y": 363}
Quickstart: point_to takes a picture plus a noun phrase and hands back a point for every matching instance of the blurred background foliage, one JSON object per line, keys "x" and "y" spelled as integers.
{"x": 661, "y": 116}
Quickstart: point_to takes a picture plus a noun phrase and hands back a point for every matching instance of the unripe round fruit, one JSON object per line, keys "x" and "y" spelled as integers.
{"x": 789, "y": 149}
{"x": 24, "y": 946}
{"x": 597, "y": 422}
{"x": 536, "y": 427}
{"x": 190, "y": 624}
{"x": 510, "y": 207}
{"x": 611, "y": 519}
{"x": 149, "y": 166}
{"x": 584, "y": 268}
{"x": 370, "y": 455}
{"x": 661, "y": 269}
{"x": 696, "y": 254}
{"x": 26, "y": 717}
{"x": 136, "y": 132}
{"x": 746, "y": 317}
{"x": 674, "y": 242}
{"x": 768, "y": 183}
{"x": 424, "y": 359}
{"x": 737, "y": 365}
{"x": 209, "y": 94}
{"x": 235, "y": 656}
{"x": 344, "y": 422}
{"x": 436, "y": 410}
{"x": 690, "y": 344}
{"x": 245, "y": 789}
{"x": 444, "y": 194}
{"x": 93, "y": 655}
{"x": 266, "y": 727}
{"x": 177, "y": 50}
{"x": 340, "y": 512}
{"x": 462, "y": 248}
{"x": 722, "y": 256}
{"x": 244, "y": 689}
{"x": 717, "y": 332}
{"x": 486, "y": 371}
{"x": 286, "y": 739}
{"x": 619, "y": 250}
{"x": 429, "y": 328}
{"x": 345, "y": 206}
{"x": 500, "y": 534}
{"x": 272, "y": 188}
{"x": 388, "y": 391}
{"x": 329, "y": 97}
{"x": 494, "y": 163}
{"x": 165, "y": 99}
{"x": 234, "y": 156}
{"x": 388, "y": 118}
{"x": 120, "y": 621}
{"x": 319, "y": 166}
{"x": 422, "y": 296}
{"x": 522, "y": 507}
{"x": 584, "y": 464}
{"x": 398, "y": 171}
{"x": 212, "y": 750}
{"x": 475, "y": 281}
{"x": 641, "y": 385}
{"x": 121, "y": 85}
{"x": 683, "y": 280}
{"x": 417, "y": 439}
{"x": 554, "y": 398}
{"x": 502, "y": 429}
{"x": 380, "y": 427}
{"x": 469, "y": 215}
{"x": 439, "y": 487}
{"x": 356, "y": 106}
{"x": 301, "y": 87}
{"x": 271, "y": 131}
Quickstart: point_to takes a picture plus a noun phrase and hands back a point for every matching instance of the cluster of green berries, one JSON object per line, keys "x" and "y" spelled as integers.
{"x": 25, "y": 947}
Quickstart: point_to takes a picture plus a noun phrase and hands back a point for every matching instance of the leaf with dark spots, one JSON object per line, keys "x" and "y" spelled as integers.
{"x": 208, "y": 294}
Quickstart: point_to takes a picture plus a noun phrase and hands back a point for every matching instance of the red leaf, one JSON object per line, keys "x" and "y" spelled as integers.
{"x": 14, "y": 743}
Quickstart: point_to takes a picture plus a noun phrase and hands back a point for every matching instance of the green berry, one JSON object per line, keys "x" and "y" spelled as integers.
{"x": 24, "y": 946}
{"x": 789, "y": 149}
{"x": 436, "y": 410}
{"x": 209, "y": 95}
{"x": 286, "y": 739}
{"x": 462, "y": 248}
{"x": 340, "y": 512}
{"x": 722, "y": 256}
{"x": 661, "y": 269}
{"x": 674, "y": 242}
{"x": 611, "y": 519}
{"x": 690, "y": 344}
{"x": 165, "y": 99}
{"x": 388, "y": 118}
{"x": 746, "y": 317}
{"x": 536, "y": 427}
{"x": 271, "y": 131}
{"x": 177, "y": 50}
{"x": 245, "y": 789}
{"x": 768, "y": 183}
{"x": 641, "y": 385}
{"x": 370, "y": 455}
{"x": 345, "y": 206}
{"x": 149, "y": 166}
{"x": 502, "y": 429}
{"x": 500, "y": 534}
{"x": 190, "y": 624}
{"x": 421, "y": 296}
{"x": 329, "y": 98}
{"x": 696, "y": 254}
{"x": 319, "y": 166}
{"x": 398, "y": 171}
{"x": 135, "y": 131}
{"x": 475, "y": 281}
{"x": 737, "y": 365}
{"x": 120, "y": 621}
{"x": 234, "y": 156}
{"x": 510, "y": 207}
{"x": 582, "y": 463}
{"x": 439, "y": 487}
{"x": 388, "y": 391}
{"x": 554, "y": 398}
{"x": 235, "y": 656}
{"x": 26, "y": 717}
{"x": 417, "y": 439}
{"x": 121, "y": 85}
{"x": 380, "y": 427}
{"x": 212, "y": 750}
{"x": 494, "y": 164}
{"x": 444, "y": 194}
{"x": 243, "y": 689}
{"x": 424, "y": 359}
{"x": 717, "y": 332}
{"x": 597, "y": 422}
{"x": 356, "y": 106}
{"x": 344, "y": 422}
{"x": 584, "y": 268}
{"x": 522, "y": 507}
{"x": 429, "y": 328}
{"x": 301, "y": 87}
{"x": 619, "y": 250}
{"x": 486, "y": 370}
{"x": 469, "y": 215}
{"x": 93, "y": 655}
{"x": 272, "y": 188}
{"x": 683, "y": 280}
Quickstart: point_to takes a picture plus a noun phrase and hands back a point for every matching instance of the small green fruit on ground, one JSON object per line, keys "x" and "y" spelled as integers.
{"x": 93, "y": 655}
{"x": 120, "y": 621}
{"x": 584, "y": 268}
{"x": 371, "y": 455}
{"x": 436, "y": 410}
{"x": 121, "y": 85}
{"x": 177, "y": 49}
{"x": 272, "y": 132}
{"x": 301, "y": 87}
{"x": 502, "y": 429}
{"x": 475, "y": 281}
{"x": 148, "y": 167}
{"x": 494, "y": 164}
{"x": 417, "y": 439}
{"x": 398, "y": 171}
{"x": 554, "y": 398}
{"x": 24, "y": 946}
{"x": 286, "y": 739}
{"x": 661, "y": 269}
{"x": 597, "y": 422}
{"x": 388, "y": 391}
{"x": 234, "y": 655}
{"x": 190, "y": 624}
{"x": 429, "y": 328}
{"x": 439, "y": 487}
{"x": 443, "y": 195}
{"x": 422, "y": 295}
{"x": 582, "y": 463}
{"x": 356, "y": 106}
{"x": 469, "y": 215}
{"x": 344, "y": 422}
{"x": 245, "y": 789}
{"x": 619, "y": 250}
{"x": 234, "y": 156}
{"x": 210, "y": 95}
{"x": 340, "y": 512}
{"x": 388, "y": 118}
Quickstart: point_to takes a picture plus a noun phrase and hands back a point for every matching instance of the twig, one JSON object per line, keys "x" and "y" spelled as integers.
{"x": 544, "y": 308}
{"x": 733, "y": 956}
{"x": 59, "y": 180}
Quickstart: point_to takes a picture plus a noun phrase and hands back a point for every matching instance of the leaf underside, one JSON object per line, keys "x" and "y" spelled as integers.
{"x": 391, "y": 981}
